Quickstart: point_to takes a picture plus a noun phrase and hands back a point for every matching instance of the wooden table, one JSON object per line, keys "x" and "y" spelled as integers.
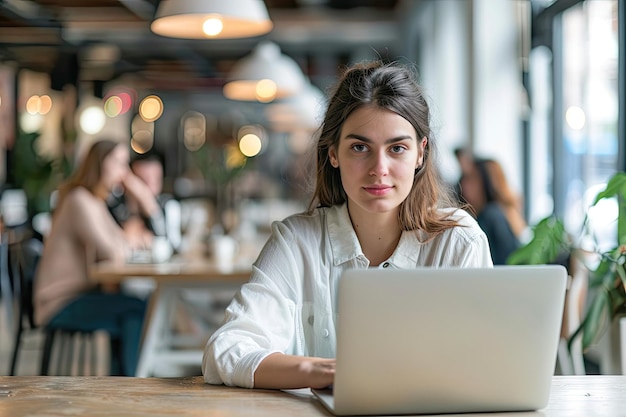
{"x": 571, "y": 396}
{"x": 170, "y": 277}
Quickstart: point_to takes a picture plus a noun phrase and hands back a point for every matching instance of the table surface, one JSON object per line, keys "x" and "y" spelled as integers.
{"x": 179, "y": 269}
{"x": 589, "y": 396}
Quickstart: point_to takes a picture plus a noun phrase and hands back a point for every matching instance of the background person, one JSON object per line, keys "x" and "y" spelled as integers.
{"x": 135, "y": 204}
{"x": 83, "y": 232}
{"x": 378, "y": 201}
{"x": 484, "y": 187}
{"x": 144, "y": 215}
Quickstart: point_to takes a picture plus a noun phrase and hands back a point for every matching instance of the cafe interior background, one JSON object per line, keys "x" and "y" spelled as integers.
{"x": 536, "y": 84}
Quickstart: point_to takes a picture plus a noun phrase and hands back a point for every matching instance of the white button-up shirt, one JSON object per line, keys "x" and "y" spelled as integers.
{"x": 289, "y": 305}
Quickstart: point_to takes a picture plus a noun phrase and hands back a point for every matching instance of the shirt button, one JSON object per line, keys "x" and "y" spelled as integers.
{"x": 325, "y": 333}
{"x": 386, "y": 264}
{"x": 311, "y": 320}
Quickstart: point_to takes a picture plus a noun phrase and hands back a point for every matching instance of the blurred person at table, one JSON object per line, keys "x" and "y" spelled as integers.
{"x": 484, "y": 187}
{"x": 379, "y": 202}
{"x": 83, "y": 232}
{"x": 140, "y": 210}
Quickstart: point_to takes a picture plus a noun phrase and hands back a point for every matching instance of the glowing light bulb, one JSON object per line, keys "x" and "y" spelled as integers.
{"x": 213, "y": 26}
{"x": 250, "y": 145}
{"x": 266, "y": 90}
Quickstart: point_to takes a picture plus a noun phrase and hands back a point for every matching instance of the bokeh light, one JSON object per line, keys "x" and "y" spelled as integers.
{"x": 31, "y": 122}
{"x": 127, "y": 101}
{"x": 194, "y": 130}
{"x": 32, "y": 105}
{"x": 119, "y": 101}
{"x": 45, "y": 104}
{"x": 266, "y": 90}
{"x": 113, "y": 106}
{"x": 92, "y": 120}
{"x": 151, "y": 108}
{"x": 250, "y": 145}
{"x": 142, "y": 141}
{"x": 575, "y": 118}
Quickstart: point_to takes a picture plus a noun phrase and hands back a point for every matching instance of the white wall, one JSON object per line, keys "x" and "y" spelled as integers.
{"x": 468, "y": 63}
{"x": 444, "y": 56}
{"x": 497, "y": 86}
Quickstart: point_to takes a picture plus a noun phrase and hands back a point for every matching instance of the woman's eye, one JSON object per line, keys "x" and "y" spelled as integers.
{"x": 359, "y": 148}
{"x": 398, "y": 149}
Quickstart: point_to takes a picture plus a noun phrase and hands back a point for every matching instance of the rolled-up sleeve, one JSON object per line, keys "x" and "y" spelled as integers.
{"x": 261, "y": 319}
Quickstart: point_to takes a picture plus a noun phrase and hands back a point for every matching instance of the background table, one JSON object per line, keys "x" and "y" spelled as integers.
{"x": 572, "y": 396}
{"x": 157, "y": 348}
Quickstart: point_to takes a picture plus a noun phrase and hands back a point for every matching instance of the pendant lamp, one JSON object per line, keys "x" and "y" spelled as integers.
{"x": 264, "y": 75}
{"x": 211, "y": 19}
{"x": 304, "y": 111}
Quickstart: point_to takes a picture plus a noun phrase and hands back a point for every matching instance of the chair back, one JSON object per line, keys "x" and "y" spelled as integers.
{"x": 23, "y": 260}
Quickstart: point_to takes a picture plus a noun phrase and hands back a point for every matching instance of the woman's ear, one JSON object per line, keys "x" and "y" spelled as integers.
{"x": 422, "y": 148}
{"x": 332, "y": 157}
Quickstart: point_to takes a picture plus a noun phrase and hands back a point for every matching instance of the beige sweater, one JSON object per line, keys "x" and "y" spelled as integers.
{"x": 83, "y": 232}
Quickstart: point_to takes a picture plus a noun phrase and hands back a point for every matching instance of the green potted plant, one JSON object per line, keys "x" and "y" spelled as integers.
{"x": 607, "y": 269}
{"x": 36, "y": 174}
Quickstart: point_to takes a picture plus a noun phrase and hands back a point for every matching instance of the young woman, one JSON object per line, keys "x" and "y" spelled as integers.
{"x": 378, "y": 202}
{"x": 84, "y": 232}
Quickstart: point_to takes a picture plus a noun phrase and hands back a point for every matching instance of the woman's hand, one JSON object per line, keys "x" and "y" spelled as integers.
{"x": 279, "y": 371}
{"x": 137, "y": 235}
{"x": 140, "y": 194}
{"x": 321, "y": 372}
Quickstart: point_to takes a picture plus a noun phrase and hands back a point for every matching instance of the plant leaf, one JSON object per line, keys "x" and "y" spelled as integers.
{"x": 604, "y": 274}
{"x": 615, "y": 187}
{"x": 549, "y": 239}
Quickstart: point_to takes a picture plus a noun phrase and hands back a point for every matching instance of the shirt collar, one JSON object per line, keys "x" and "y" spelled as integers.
{"x": 345, "y": 244}
{"x": 406, "y": 254}
{"x": 343, "y": 241}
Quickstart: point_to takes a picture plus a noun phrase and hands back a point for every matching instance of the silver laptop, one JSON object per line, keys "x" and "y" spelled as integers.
{"x": 431, "y": 341}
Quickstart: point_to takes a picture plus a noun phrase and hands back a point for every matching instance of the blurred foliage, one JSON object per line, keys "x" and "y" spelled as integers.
{"x": 607, "y": 278}
{"x": 220, "y": 164}
{"x": 37, "y": 175}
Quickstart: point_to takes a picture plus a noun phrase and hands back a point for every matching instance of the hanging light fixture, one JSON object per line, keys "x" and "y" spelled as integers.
{"x": 211, "y": 19}
{"x": 304, "y": 111}
{"x": 264, "y": 75}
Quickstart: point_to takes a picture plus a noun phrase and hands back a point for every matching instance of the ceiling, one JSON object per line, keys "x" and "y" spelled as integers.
{"x": 103, "y": 40}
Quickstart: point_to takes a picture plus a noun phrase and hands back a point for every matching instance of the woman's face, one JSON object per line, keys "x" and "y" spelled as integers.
{"x": 115, "y": 167}
{"x": 377, "y": 155}
{"x": 472, "y": 188}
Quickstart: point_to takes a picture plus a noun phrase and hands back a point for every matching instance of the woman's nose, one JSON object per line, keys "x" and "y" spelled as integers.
{"x": 379, "y": 165}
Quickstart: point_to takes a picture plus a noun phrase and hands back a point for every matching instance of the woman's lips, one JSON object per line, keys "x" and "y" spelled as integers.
{"x": 378, "y": 190}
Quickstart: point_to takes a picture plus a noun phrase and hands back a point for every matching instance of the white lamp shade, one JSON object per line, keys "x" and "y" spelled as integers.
{"x": 186, "y": 18}
{"x": 264, "y": 75}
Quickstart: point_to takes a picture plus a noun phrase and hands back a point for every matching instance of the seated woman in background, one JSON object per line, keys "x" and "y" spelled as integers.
{"x": 83, "y": 232}
{"x": 483, "y": 185}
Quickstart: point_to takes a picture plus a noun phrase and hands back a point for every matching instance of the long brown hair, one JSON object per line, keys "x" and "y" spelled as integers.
{"x": 89, "y": 172}
{"x": 498, "y": 190}
{"x": 393, "y": 87}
